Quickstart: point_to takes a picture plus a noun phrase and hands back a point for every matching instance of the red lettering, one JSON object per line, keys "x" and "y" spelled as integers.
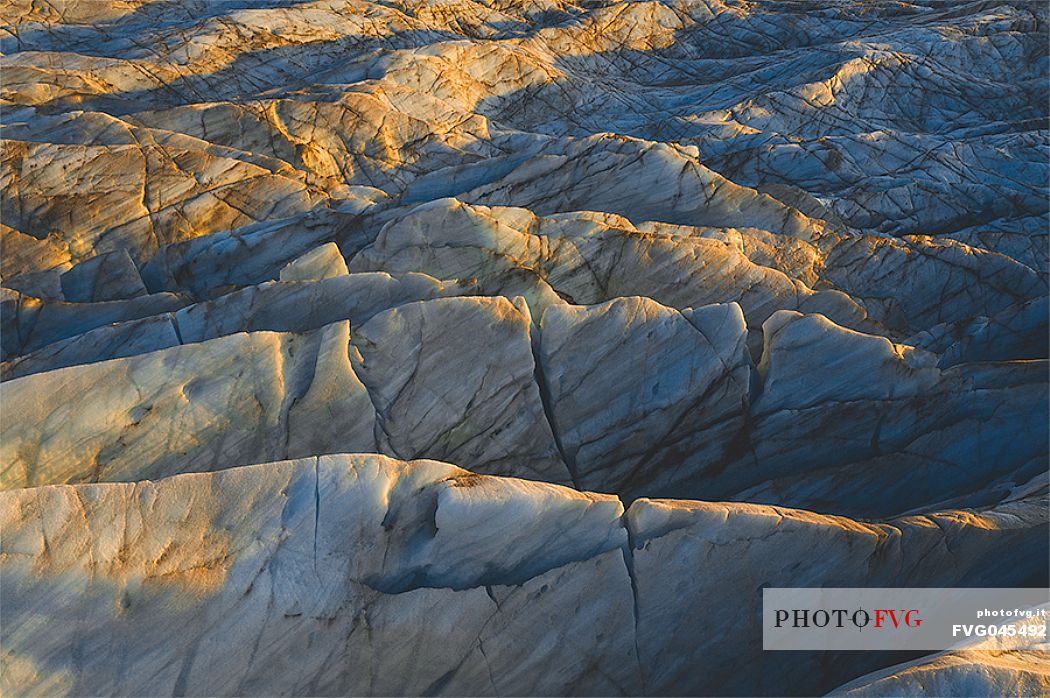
{"x": 881, "y": 613}
{"x": 909, "y": 618}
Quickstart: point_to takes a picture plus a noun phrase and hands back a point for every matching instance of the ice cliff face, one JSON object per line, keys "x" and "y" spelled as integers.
{"x": 622, "y": 312}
